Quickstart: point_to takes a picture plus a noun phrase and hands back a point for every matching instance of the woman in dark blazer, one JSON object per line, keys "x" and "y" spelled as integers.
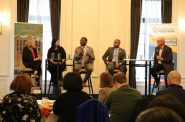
{"x": 56, "y": 63}
{"x": 31, "y": 60}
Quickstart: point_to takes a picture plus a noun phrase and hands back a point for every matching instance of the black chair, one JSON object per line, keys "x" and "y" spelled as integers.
{"x": 89, "y": 81}
{"x": 92, "y": 110}
{"x": 160, "y": 74}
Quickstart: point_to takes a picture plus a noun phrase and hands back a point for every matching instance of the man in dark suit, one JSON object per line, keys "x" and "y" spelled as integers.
{"x": 175, "y": 89}
{"x": 163, "y": 60}
{"x": 114, "y": 58}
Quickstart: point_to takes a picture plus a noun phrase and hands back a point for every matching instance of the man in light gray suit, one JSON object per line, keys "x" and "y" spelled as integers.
{"x": 84, "y": 58}
{"x": 114, "y": 58}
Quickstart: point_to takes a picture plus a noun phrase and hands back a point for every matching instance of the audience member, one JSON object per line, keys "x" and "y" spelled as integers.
{"x": 66, "y": 104}
{"x": 56, "y": 64}
{"x": 163, "y": 60}
{"x": 175, "y": 89}
{"x": 114, "y": 58}
{"x": 106, "y": 85}
{"x": 84, "y": 58}
{"x": 31, "y": 59}
{"x": 170, "y": 102}
{"x": 20, "y": 106}
{"x": 122, "y": 101}
{"x": 141, "y": 105}
{"x": 159, "y": 114}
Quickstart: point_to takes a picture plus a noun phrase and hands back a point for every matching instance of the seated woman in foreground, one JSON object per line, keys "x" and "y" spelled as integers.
{"x": 67, "y": 103}
{"x": 20, "y": 106}
{"x": 106, "y": 85}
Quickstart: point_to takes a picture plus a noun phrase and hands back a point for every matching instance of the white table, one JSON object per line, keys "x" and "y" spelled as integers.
{"x": 146, "y": 63}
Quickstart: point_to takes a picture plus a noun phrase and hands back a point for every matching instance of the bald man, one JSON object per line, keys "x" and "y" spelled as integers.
{"x": 175, "y": 89}
{"x": 163, "y": 60}
{"x": 114, "y": 58}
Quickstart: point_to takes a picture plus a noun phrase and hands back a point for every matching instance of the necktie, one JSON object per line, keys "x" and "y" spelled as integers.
{"x": 83, "y": 57}
{"x": 117, "y": 52}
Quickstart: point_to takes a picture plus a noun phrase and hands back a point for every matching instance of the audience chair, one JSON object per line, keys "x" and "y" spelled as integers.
{"x": 92, "y": 111}
{"x": 89, "y": 81}
{"x": 160, "y": 73}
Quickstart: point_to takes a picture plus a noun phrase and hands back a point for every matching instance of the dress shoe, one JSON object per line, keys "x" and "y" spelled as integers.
{"x": 157, "y": 85}
{"x": 34, "y": 76}
{"x": 35, "y": 72}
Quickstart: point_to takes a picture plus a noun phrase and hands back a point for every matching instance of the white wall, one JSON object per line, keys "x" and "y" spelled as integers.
{"x": 179, "y": 17}
{"x": 101, "y": 21}
{"x": 8, "y": 17}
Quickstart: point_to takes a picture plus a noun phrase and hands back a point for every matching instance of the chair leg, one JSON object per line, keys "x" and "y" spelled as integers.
{"x": 49, "y": 87}
{"x": 166, "y": 82}
{"x": 90, "y": 86}
{"x": 153, "y": 86}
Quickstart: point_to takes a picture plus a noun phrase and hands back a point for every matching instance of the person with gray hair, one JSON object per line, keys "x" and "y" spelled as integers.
{"x": 163, "y": 60}
{"x": 175, "y": 89}
{"x": 122, "y": 101}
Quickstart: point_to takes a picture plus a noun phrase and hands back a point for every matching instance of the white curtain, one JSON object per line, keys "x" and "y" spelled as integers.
{"x": 179, "y": 17}
{"x": 151, "y": 13}
{"x": 39, "y": 13}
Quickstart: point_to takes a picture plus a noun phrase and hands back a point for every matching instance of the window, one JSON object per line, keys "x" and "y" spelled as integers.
{"x": 39, "y": 12}
{"x": 151, "y": 13}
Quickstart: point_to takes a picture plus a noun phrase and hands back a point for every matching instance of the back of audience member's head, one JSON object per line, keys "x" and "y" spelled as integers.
{"x": 22, "y": 84}
{"x": 170, "y": 102}
{"x": 159, "y": 114}
{"x": 141, "y": 106}
{"x": 72, "y": 82}
{"x": 174, "y": 77}
{"x": 106, "y": 80}
{"x": 120, "y": 78}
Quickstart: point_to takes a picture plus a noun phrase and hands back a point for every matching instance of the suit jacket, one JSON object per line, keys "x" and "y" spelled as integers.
{"x": 27, "y": 57}
{"x": 175, "y": 90}
{"x": 121, "y": 103}
{"x": 108, "y": 55}
{"x": 167, "y": 56}
{"x": 88, "y": 59}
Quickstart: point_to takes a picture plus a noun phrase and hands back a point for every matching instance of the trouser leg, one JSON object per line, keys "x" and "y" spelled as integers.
{"x": 154, "y": 70}
{"x": 110, "y": 68}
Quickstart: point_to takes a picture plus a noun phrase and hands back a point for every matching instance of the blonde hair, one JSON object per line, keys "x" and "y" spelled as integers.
{"x": 29, "y": 43}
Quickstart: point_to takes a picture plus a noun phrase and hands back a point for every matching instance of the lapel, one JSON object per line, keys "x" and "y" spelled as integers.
{"x": 163, "y": 51}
